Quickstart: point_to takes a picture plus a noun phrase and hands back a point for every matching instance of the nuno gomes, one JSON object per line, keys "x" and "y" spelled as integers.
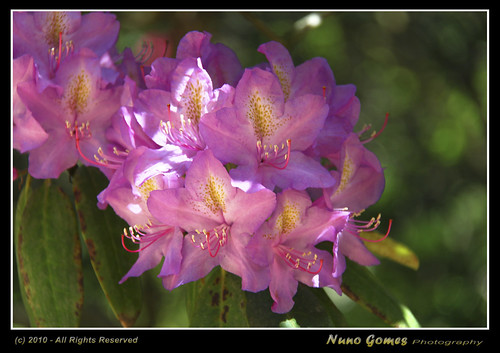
{"x": 370, "y": 340}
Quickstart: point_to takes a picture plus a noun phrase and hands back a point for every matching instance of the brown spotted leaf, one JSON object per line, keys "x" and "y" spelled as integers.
{"x": 101, "y": 231}
{"x": 48, "y": 254}
{"x": 217, "y": 301}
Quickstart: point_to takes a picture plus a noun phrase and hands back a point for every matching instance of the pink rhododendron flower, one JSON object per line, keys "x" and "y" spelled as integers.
{"x": 172, "y": 117}
{"x": 49, "y": 37}
{"x": 219, "y": 220}
{"x": 143, "y": 171}
{"x": 74, "y": 111}
{"x": 285, "y": 246}
{"x": 27, "y": 133}
{"x": 359, "y": 177}
{"x": 221, "y": 62}
{"x": 266, "y": 136}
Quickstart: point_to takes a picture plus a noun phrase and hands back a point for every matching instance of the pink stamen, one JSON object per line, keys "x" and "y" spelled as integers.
{"x": 299, "y": 260}
{"x": 96, "y": 161}
{"x": 275, "y": 156}
{"x": 210, "y": 240}
{"x": 140, "y": 237}
{"x": 375, "y": 135}
{"x": 186, "y": 135}
{"x": 367, "y": 226}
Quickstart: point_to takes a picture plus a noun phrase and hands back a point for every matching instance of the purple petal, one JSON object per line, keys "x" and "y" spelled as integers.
{"x": 98, "y": 31}
{"x": 196, "y": 264}
{"x": 282, "y": 287}
{"x": 281, "y": 64}
{"x": 160, "y": 75}
{"x": 229, "y": 137}
{"x": 312, "y": 77}
{"x": 57, "y": 154}
{"x": 27, "y": 133}
{"x": 247, "y": 211}
{"x": 168, "y": 246}
{"x": 355, "y": 250}
{"x": 237, "y": 260}
{"x": 305, "y": 117}
{"x": 259, "y": 99}
{"x": 193, "y": 44}
{"x": 362, "y": 178}
{"x": 301, "y": 172}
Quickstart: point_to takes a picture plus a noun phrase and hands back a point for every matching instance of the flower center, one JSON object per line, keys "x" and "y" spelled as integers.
{"x": 213, "y": 195}
{"x": 260, "y": 113}
{"x": 348, "y": 170}
{"x": 81, "y": 132}
{"x": 55, "y": 25}
{"x": 300, "y": 260}
{"x": 77, "y": 93}
{"x": 57, "y": 54}
{"x": 274, "y": 155}
{"x": 192, "y": 101}
{"x": 288, "y": 219}
{"x": 147, "y": 186}
{"x": 211, "y": 240}
{"x": 186, "y": 135}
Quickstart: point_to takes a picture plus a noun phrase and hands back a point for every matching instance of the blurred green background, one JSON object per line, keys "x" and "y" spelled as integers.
{"x": 428, "y": 70}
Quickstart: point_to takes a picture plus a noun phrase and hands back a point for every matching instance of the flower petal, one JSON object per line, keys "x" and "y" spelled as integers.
{"x": 229, "y": 137}
{"x": 355, "y": 250}
{"x": 281, "y": 64}
{"x": 282, "y": 287}
{"x": 302, "y": 172}
{"x": 196, "y": 264}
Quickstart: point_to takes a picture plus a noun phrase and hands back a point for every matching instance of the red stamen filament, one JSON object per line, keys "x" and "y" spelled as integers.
{"x": 97, "y": 162}
{"x": 275, "y": 156}
{"x": 299, "y": 260}
{"x": 187, "y": 135}
{"x": 212, "y": 240}
{"x": 139, "y": 236}
{"x": 374, "y": 135}
{"x": 367, "y": 226}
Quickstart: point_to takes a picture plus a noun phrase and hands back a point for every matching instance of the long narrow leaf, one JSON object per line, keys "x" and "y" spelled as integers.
{"x": 101, "y": 232}
{"x": 48, "y": 256}
{"x": 359, "y": 284}
{"x": 391, "y": 249}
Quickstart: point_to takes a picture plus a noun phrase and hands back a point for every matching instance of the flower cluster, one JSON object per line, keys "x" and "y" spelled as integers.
{"x": 211, "y": 164}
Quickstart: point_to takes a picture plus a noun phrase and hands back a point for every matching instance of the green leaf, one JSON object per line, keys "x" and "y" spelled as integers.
{"x": 359, "y": 284}
{"x": 48, "y": 255}
{"x": 312, "y": 308}
{"x": 391, "y": 249}
{"x": 101, "y": 231}
{"x": 216, "y": 301}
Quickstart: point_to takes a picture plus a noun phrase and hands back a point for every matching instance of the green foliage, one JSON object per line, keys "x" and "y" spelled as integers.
{"x": 100, "y": 231}
{"x": 48, "y": 257}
